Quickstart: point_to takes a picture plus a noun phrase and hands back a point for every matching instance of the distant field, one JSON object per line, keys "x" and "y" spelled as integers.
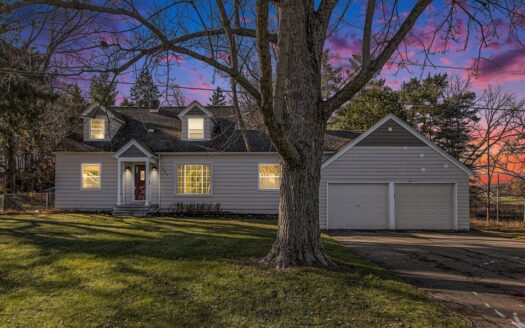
{"x": 513, "y": 200}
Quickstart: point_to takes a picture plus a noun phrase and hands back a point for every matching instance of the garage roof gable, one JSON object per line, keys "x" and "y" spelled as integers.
{"x": 376, "y": 139}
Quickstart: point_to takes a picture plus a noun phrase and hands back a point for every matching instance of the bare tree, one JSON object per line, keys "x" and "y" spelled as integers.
{"x": 287, "y": 42}
{"x": 512, "y": 163}
{"x": 174, "y": 97}
{"x": 499, "y": 126}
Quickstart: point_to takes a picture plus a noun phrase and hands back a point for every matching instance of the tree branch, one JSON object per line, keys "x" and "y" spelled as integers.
{"x": 367, "y": 33}
{"x": 85, "y": 6}
{"x": 122, "y": 12}
{"x": 366, "y": 73}
{"x": 266, "y": 103}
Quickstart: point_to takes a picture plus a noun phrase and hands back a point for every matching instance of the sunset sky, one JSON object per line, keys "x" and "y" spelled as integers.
{"x": 503, "y": 60}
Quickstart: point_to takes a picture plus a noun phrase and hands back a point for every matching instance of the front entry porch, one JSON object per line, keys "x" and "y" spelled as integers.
{"x": 137, "y": 180}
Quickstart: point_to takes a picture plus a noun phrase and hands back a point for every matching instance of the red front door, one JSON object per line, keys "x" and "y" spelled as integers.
{"x": 140, "y": 182}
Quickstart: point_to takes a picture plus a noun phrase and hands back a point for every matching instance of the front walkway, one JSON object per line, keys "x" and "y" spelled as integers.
{"x": 480, "y": 276}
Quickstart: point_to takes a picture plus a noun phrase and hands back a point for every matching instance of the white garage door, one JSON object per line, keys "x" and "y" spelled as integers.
{"x": 358, "y": 206}
{"x": 424, "y": 206}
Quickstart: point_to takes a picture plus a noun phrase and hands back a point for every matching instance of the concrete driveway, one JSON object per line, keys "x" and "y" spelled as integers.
{"x": 480, "y": 276}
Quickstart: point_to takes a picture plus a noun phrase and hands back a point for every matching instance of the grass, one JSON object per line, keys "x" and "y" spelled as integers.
{"x": 512, "y": 200}
{"x": 78, "y": 270}
{"x": 503, "y": 228}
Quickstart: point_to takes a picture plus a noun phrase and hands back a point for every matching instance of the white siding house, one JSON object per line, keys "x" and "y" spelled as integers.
{"x": 389, "y": 177}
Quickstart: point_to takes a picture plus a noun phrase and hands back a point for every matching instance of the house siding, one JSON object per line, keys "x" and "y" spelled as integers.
{"x": 69, "y": 194}
{"x": 396, "y": 136}
{"x": 234, "y": 183}
{"x": 132, "y": 151}
{"x": 395, "y": 164}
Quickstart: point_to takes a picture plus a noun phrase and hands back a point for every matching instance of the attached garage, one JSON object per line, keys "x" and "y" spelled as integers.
{"x": 424, "y": 206}
{"x": 392, "y": 177}
{"x": 358, "y": 205}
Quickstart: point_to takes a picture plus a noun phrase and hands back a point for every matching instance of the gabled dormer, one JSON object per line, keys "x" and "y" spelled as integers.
{"x": 197, "y": 123}
{"x": 100, "y": 124}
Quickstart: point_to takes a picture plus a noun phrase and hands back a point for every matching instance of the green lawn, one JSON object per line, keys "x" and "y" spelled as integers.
{"x": 63, "y": 270}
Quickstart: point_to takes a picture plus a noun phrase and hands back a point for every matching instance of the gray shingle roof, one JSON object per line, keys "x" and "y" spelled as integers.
{"x": 166, "y": 135}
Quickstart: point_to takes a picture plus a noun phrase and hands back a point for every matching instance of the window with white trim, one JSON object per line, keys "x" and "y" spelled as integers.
{"x": 91, "y": 176}
{"x": 195, "y": 128}
{"x": 194, "y": 179}
{"x": 97, "y": 129}
{"x": 269, "y": 176}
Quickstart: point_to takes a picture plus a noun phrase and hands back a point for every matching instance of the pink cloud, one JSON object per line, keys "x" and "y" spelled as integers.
{"x": 200, "y": 94}
{"x": 445, "y": 61}
{"x": 429, "y": 38}
{"x": 201, "y": 83}
{"x": 345, "y": 46}
{"x": 499, "y": 68}
{"x": 392, "y": 83}
{"x": 119, "y": 99}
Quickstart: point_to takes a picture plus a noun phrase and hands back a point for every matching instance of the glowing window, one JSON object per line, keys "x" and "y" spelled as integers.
{"x": 269, "y": 176}
{"x": 97, "y": 129}
{"x": 193, "y": 179}
{"x": 90, "y": 176}
{"x": 195, "y": 128}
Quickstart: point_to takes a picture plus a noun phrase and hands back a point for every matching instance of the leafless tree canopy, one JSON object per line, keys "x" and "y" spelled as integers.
{"x": 89, "y": 36}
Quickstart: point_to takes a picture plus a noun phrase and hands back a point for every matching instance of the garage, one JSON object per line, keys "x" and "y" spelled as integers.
{"x": 424, "y": 206}
{"x": 392, "y": 177}
{"x": 358, "y": 206}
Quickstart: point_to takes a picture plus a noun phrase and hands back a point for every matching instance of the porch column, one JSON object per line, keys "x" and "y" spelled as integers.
{"x": 119, "y": 183}
{"x": 147, "y": 184}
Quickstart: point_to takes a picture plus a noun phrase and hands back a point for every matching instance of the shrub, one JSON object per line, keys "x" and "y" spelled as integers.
{"x": 197, "y": 209}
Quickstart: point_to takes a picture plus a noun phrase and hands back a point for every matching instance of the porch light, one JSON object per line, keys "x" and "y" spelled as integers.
{"x": 154, "y": 169}
{"x": 128, "y": 169}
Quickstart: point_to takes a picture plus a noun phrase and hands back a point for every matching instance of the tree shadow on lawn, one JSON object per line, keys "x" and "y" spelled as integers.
{"x": 158, "y": 237}
{"x": 215, "y": 255}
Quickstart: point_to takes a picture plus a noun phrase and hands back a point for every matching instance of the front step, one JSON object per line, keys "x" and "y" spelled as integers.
{"x": 135, "y": 210}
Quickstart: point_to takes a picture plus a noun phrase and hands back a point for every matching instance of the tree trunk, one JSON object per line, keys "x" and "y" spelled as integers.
{"x": 298, "y": 237}
{"x": 297, "y": 100}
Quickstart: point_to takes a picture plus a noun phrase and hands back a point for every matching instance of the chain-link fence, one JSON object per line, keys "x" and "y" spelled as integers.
{"x": 27, "y": 201}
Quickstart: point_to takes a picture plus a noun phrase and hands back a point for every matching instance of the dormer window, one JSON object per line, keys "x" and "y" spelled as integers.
{"x": 195, "y": 128}
{"x": 97, "y": 129}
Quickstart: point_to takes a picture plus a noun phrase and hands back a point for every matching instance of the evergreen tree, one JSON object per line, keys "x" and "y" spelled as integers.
{"x": 442, "y": 110}
{"x": 24, "y": 96}
{"x": 453, "y": 124}
{"x": 102, "y": 91}
{"x": 144, "y": 91}
{"x": 72, "y": 102}
{"x": 369, "y": 106}
{"x": 218, "y": 98}
{"x": 422, "y": 99}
